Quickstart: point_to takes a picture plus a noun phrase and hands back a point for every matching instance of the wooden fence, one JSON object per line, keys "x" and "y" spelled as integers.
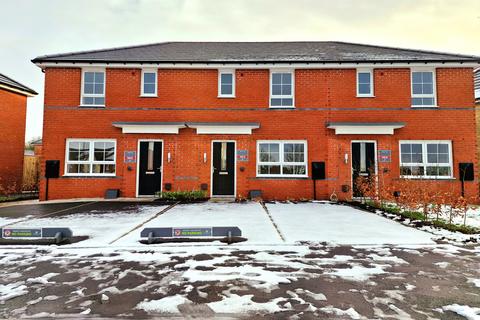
{"x": 31, "y": 173}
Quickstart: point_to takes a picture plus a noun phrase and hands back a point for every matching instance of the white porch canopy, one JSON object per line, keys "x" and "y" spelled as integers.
{"x": 365, "y": 127}
{"x": 174, "y": 127}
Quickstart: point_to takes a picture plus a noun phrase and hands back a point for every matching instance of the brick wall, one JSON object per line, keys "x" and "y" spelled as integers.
{"x": 13, "y": 108}
{"x": 321, "y": 96}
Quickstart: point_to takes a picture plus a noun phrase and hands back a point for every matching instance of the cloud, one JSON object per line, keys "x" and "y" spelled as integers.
{"x": 32, "y": 28}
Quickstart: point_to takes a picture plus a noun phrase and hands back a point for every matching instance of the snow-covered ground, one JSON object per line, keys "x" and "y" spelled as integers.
{"x": 341, "y": 224}
{"x": 313, "y": 222}
{"x": 101, "y": 228}
{"x": 249, "y": 217}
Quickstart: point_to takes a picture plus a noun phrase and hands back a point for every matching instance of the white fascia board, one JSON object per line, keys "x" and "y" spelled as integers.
{"x": 133, "y": 128}
{"x": 206, "y": 129}
{"x": 24, "y": 93}
{"x": 346, "y": 129}
{"x": 247, "y": 65}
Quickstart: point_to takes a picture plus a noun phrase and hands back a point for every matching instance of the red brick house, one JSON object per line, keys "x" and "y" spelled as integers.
{"x": 13, "y": 107}
{"x": 231, "y": 117}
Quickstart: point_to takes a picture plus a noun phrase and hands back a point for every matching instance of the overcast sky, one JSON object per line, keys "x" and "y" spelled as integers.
{"x": 32, "y": 27}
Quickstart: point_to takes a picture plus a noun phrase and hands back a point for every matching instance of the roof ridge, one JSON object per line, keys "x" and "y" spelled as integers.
{"x": 408, "y": 49}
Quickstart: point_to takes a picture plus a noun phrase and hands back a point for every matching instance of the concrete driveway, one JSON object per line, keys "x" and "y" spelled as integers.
{"x": 120, "y": 223}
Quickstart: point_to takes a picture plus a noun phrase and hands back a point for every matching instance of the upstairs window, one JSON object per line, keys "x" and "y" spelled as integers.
{"x": 90, "y": 158}
{"x": 281, "y": 89}
{"x": 226, "y": 83}
{"x": 93, "y": 88}
{"x": 364, "y": 83}
{"x": 149, "y": 83}
{"x": 423, "y": 88}
{"x": 426, "y": 159}
{"x": 282, "y": 158}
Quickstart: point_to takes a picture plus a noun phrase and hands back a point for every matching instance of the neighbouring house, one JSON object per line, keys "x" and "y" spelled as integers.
{"x": 13, "y": 107}
{"x": 477, "y": 85}
{"x": 476, "y": 80}
{"x": 235, "y": 117}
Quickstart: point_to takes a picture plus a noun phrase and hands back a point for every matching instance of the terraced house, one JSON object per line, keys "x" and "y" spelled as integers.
{"x": 231, "y": 118}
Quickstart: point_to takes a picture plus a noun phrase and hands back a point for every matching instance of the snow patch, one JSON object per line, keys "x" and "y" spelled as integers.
{"x": 470, "y": 313}
{"x": 350, "y": 312}
{"x": 242, "y": 304}
{"x": 164, "y": 305}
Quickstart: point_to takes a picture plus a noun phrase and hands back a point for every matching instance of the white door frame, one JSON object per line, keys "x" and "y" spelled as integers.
{"x": 351, "y": 163}
{"x": 138, "y": 167}
{"x": 234, "y": 170}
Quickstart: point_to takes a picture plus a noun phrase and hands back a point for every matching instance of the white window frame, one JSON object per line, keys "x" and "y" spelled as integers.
{"x": 281, "y": 162}
{"x": 434, "y": 84}
{"x": 425, "y": 163}
{"x": 292, "y": 96}
{"x": 142, "y": 88}
{"x": 91, "y": 162}
{"x": 83, "y": 94}
{"x": 372, "y": 81}
{"x": 226, "y": 71}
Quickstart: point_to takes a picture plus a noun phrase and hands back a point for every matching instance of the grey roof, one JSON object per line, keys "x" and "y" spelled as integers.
{"x": 242, "y": 52}
{"x": 9, "y": 82}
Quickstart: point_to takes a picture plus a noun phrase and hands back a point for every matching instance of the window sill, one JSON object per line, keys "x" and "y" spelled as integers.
{"x": 427, "y": 178}
{"x": 365, "y": 96}
{"x": 424, "y": 107}
{"x": 281, "y": 177}
{"x": 89, "y": 176}
{"x": 97, "y": 106}
{"x": 226, "y": 97}
{"x": 148, "y": 96}
{"x": 277, "y": 107}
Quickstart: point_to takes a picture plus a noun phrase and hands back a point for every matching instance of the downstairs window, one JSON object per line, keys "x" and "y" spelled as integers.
{"x": 90, "y": 158}
{"x": 282, "y": 158}
{"x": 426, "y": 159}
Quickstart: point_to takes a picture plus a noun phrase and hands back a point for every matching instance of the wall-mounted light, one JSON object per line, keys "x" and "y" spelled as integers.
{"x": 169, "y": 157}
{"x": 205, "y": 157}
{"x": 346, "y": 158}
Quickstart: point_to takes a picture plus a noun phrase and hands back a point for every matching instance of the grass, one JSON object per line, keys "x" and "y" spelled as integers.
{"x": 419, "y": 216}
{"x": 193, "y": 195}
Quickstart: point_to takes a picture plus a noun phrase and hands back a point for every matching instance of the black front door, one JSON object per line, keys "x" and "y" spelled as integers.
{"x": 363, "y": 163}
{"x": 150, "y": 166}
{"x": 223, "y": 162}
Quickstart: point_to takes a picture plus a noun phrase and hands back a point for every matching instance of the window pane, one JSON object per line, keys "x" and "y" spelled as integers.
{"x": 264, "y": 169}
{"x": 288, "y": 147}
{"x": 364, "y": 88}
{"x": 286, "y": 78}
{"x": 99, "y": 101}
{"x": 427, "y": 89}
{"x": 406, "y": 158}
{"x": 72, "y": 168}
{"x": 443, "y": 148}
{"x": 416, "y": 148}
{"x": 432, "y": 158}
{"x": 98, "y": 168}
{"x": 226, "y": 89}
{"x": 286, "y": 89}
{"x": 364, "y": 77}
{"x": 276, "y": 78}
{"x": 417, "y": 89}
{"x": 287, "y": 102}
{"x": 99, "y": 77}
{"x": 443, "y": 158}
{"x": 427, "y": 77}
{"x": 226, "y": 78}
{"x": 87, "y": 100}
{"x": 432, "y": 148}
{"x": 291, "y": 170}
{"x": 275, "y": 102}
{"x": 406, "y": 148}
{"x": 149, "y": 88}
{"x": 88, "y": 88}
{"x": 299, "y": 147}
{"x": 109, "y": 168}
{"x": 83, "y": 168}
{"x": 276, "y": 90}
{"x": 416, "y": 77}
{"x": 98, "y": 89}
{"x": 149, "y": 77}
{"x": 428, "y": 101}
{"x": 88, "y": 77}
{"x": 444, "y": 171}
